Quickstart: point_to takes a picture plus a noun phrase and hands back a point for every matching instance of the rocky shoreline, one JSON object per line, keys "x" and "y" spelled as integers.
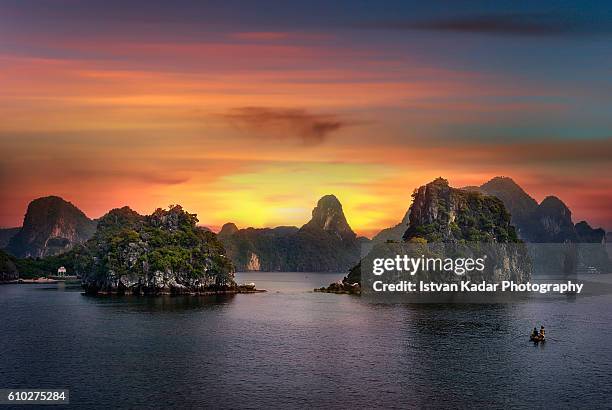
{"x": 32, "y": 281}
{"x": 153, "y": 291}
{"x": 341, "y": 288}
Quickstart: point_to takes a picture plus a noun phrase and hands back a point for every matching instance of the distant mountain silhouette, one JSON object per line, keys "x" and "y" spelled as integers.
{"x": 393, "y": 233}
{"x": 325, "y": 244}
{"x": 520, "y": 205}
{"x": 547, "y": 222}
{"x": 51, "y": 226}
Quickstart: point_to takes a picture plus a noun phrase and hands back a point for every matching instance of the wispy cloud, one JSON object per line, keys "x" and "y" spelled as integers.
{"x": 285, "y": 123}
{"x": 510, "y": 24}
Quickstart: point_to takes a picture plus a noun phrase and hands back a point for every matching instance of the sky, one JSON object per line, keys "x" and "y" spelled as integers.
{"x": 250, "y": 111}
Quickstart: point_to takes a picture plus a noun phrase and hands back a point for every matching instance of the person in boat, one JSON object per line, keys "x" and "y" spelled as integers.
{"x": 542, "y": 332}
{"x": 534, "y": 334}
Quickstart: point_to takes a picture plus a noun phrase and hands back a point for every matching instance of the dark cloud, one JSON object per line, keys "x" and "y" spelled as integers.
{"x": 285, "y": 123}
{"x": 511, "y": 24}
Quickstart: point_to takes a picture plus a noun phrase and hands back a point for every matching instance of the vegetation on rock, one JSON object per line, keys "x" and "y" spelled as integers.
{"x": 164, "y": 252}
{"x": 441, "y": 214}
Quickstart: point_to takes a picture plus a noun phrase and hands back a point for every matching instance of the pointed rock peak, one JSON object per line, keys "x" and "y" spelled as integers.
{"x": 517, "y": 201}
{"x": 118, "y": 217}
{"x": 51, "y": 204}
{"x": 588, "y": 234}
{"x": 552, "y": 203}
{"x": 328, "y": 202}
{"x": 51, "y": 226}
{"x": 228, "y": 229}
{"x": 439, "y": 187}
{"x": 328, "y": 216}
{"x": 173, "y": 218}
{"x": 502, "y": 182}
{"x": 583, "y": 225}
{"x": 505, "y": 184}
{"x": 438, "y": 183}
{"x": 125, "y": 211}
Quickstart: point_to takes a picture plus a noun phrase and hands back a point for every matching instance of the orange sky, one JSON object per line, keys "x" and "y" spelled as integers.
{"x": 254, "y": 126}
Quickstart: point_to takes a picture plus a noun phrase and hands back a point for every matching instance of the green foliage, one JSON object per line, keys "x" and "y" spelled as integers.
{"x": 460, "y": 216}
{"x": 127, "y": 243}
{"x": 168, "y": 241}
{"x": 39, "y": 267}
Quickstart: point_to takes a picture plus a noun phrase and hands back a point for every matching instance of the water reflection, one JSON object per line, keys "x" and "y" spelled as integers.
{"x": 163, "y": 303}
{"x": 293, "y": 348}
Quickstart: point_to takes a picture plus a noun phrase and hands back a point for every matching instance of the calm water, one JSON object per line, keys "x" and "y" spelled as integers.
{"x": 293, "y": 348}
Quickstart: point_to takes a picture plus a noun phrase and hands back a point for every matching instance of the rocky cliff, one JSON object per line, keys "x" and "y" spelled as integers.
{"x": 547, "y": 222}
{"x": 164, "y": 252}
{"x": 440, "y": 214}
{"x": 587, "y": 234}
{"x": 328, "y": 217}
{"x": 515, "y": 199}
{"x": 551, "y": 221}
{"x": 51, "y": 226}
{"x": 324, "y": 244}
{"x": 267, "y": 249}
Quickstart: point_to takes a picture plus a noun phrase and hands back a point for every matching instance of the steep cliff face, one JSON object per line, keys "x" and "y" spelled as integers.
{"x": 587, "y": 234}
{"x": 520, "y": 205}
{"x": 228, "y": 230}
{"x": 51, "y": 226}
{"x": 551, "y": 222}
{"x": 440, "y": 214}
{"x": 325, "y": 244}
{"x": 164, "y": 252}
{"x": 328, "y": 217}
{"x": 267, "y": 249}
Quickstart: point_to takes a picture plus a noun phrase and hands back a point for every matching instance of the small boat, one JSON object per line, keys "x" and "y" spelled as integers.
{"x": 537, "y": 339}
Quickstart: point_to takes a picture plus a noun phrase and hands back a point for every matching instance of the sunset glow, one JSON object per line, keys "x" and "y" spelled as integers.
{"x": 251, "y": 121}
